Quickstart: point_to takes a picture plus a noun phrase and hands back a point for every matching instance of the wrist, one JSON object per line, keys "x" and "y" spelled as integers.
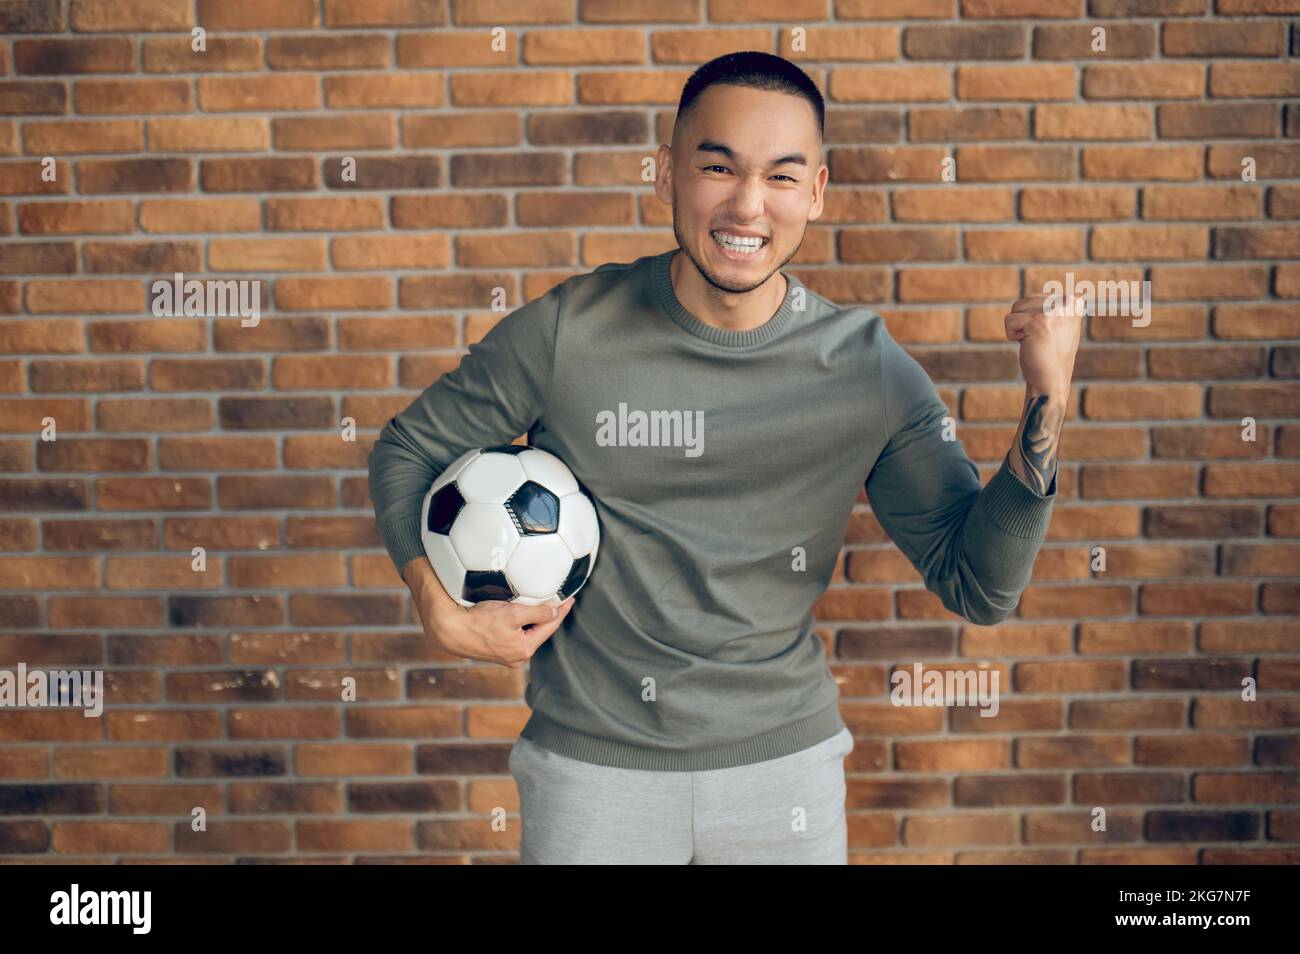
{"x": 435, "y": 607}
{"x": 1056, "y": 393}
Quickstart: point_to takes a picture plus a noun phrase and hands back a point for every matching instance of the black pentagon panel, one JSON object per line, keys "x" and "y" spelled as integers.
{"x": 534, "y": 509}
{"x": 444, "y": 506}
{"x": 483, "y": 585}
{"x": 577, "y": 573}
{"x": 507, "y": 449}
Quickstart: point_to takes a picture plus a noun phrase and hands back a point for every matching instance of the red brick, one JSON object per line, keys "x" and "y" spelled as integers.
{"x": 49, "y": 573}
{"x": 334, "y": 293}
{"x": 11, "y": 376}
{"x": 105, "y": 612}
{"x": 344, "y": 610}
{"x": 294, "y": 333}
{"x": 376, "y": 571}
{"x": 154, "y": 725}
{"x": 102, "y": 97}
{"x": 965, "y": 41}
{"x": 144, "y": 257}
{"x": 87, "y": 296}
{"x": 86, "y": 375}
{"x": 25, "y": 415}
{"x": 42, "y": 335}
{"x": 209, "y": 134}
{"x": 205, "y": 454}
{"x": 378, "y": 90}
{"x": 93, "y": 454}
{"x": 329, "y": 52}
{"x": 48, "y": 139}
{"x": 153, "y": 493}
{"x": 262, "y": 255}
{"x": 200, "y": 215}
{"x": 307, "y": 571}
{"x": 373, "y": 13}
{"x": 256, "y": 15}
{"x": 15, "y": 535}
{"x": 152, "y": 415}
{"x": 337, "y": 131}
{"x": 1144, "y": 81}
{"x": 260, "y": 93}
{"x": 77, "y": 218}
{"x": 396, "y": 334}
{"x": 1216, "y": 120}
{"x": 176, "y": 55}
{"x": 374, "y": 252}
{"x": 320, "y": 452}
{"x": 332, "y": 372}
{"x": 278, "y": 492}
{"x": 209, "y": 611}
{"x": 113, "y": 16}
{"x": 25, "y": 178}
{"x": 486, "y": 128}
{"x": 15, "y": 456}
{"x": 1210, "y": 39}
{"x": 344, "y": 532}
{"x": 99, "y": 535}
{"x": 52, "y": 57}
{"x": 1199, "y": 599}
{"x": 33, "y": 494}
{"x": 207, "y": 374}
{"x": 276, "y": 413}
{"x": 135, "y": 175}
{"x": 39, "y": 258}
{"x": 1170, "y": 163}
{"x": 221, "y": 533}
{"x": 161, "y": 573}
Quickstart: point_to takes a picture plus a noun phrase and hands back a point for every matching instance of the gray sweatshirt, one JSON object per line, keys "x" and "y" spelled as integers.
{"x": 724, "y": 467}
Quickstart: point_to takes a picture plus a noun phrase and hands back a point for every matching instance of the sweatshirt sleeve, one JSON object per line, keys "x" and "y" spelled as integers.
{"x": 498, "y": 391}
{"x": 973, "y": 546}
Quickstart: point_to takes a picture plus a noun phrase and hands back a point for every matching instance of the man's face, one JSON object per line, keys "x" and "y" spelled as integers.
{"x": 746, "y": 163}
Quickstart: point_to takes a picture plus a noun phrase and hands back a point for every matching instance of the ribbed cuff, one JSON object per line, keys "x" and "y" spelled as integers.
{"x": 402, "y": 539}
{"x": 1014, "y": 507}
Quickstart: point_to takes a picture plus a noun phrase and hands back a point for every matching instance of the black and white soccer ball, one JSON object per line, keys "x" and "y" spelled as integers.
{"x": 509, "y": 523}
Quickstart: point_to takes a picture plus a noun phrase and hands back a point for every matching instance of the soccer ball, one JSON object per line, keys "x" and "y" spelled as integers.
{"x": 509, "y": 523}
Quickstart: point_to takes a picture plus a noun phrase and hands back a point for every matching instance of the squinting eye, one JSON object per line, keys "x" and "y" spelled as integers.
{"x": 724, "y": 169}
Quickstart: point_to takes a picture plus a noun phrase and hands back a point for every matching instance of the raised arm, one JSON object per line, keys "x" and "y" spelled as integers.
{"x": 973, "y": 546}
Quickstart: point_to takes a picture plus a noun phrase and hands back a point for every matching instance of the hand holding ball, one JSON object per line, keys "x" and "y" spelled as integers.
{"x": 509, "y": 523}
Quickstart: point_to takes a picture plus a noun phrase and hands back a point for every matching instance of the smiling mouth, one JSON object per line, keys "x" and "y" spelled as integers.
{"x": 738, "y": 247}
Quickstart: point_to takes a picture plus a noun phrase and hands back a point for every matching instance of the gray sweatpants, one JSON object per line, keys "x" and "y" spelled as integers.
{"x": 782, "y": 811}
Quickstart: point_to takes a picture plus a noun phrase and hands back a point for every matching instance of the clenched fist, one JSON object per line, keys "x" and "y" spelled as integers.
{"x": 1049, "y": 340}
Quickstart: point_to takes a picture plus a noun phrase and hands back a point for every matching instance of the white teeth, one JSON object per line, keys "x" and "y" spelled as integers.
{"x": 735, "y": 243}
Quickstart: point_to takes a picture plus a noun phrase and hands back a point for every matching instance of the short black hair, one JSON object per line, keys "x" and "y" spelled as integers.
{"x": 759, "y": 71}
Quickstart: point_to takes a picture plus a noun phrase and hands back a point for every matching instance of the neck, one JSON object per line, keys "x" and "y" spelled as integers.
{"x": 731, "y": 311}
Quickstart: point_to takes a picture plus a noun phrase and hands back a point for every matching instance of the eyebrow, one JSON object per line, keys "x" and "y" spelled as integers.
{"x": 796, "y": 158}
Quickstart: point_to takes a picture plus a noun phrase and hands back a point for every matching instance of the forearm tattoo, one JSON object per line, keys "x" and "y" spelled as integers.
{"x": 1039, "y": 437}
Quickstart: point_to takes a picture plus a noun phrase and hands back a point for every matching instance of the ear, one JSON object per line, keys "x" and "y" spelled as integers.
{"x": 819, "y": 193}
{"x": 664, "y": 174}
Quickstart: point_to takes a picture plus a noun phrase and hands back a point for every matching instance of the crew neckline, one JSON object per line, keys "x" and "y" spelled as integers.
{"x": 662, "y": 286}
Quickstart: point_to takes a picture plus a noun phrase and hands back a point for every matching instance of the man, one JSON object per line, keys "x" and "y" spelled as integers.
{"x": 683, "y": 711}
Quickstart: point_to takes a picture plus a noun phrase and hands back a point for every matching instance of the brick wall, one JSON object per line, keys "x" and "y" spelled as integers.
{"x": 517, "y": 167}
